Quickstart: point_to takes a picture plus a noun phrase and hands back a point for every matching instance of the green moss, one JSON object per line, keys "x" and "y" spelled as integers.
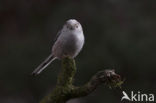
{"x": 65, "y": 90}
{"x": 67, "y": 72}
{"x": 61, "y": 93}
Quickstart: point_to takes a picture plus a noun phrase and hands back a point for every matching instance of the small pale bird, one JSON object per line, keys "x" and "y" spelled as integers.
{"x": 69, "y": 42}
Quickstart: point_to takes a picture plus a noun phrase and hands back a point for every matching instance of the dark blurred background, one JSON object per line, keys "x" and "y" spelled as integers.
{"x": 120, "y": 35}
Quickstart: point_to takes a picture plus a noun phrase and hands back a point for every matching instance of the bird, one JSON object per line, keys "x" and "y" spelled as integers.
{"x": 125, "y": 96}
{"x": 69, "y": 42}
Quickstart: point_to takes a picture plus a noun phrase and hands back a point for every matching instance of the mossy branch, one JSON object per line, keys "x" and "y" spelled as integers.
{"x": 65, "y": 89}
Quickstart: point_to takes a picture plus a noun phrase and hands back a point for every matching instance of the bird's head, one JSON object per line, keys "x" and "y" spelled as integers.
{"x": 72, "y": 24}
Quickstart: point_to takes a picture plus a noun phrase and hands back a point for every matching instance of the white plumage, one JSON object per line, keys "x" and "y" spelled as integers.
{"x": 69, "y": 43}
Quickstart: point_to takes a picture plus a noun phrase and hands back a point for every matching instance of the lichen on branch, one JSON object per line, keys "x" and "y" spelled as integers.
{"x": 65, "y": 89}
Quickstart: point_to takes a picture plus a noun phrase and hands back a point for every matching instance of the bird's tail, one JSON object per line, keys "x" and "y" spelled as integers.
{"x": 43, "y": 65}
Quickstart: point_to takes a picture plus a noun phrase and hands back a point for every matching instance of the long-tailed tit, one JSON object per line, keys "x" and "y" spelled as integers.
{"x": 69, "y": 42}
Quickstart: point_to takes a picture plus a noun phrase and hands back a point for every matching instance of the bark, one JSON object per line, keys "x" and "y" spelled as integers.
{"x": 65, "y": 89}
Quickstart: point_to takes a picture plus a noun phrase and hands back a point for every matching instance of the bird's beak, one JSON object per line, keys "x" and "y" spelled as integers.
{"x": 71, "y": 27}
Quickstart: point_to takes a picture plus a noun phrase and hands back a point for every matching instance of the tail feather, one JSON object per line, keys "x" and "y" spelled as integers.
{"x": 43, "y": 65}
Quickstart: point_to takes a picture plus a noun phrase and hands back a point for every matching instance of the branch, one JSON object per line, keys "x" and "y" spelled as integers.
{"x": 65, "y": 89}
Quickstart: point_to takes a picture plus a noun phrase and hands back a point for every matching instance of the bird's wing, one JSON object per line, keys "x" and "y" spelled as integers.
{"x": 57, "y": 35}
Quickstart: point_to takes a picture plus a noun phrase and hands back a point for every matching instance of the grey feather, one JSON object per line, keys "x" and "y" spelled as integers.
{"x": 43, "y": 65}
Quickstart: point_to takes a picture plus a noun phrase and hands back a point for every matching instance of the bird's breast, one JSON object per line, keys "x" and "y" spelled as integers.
{"x": 68, "y": 45}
